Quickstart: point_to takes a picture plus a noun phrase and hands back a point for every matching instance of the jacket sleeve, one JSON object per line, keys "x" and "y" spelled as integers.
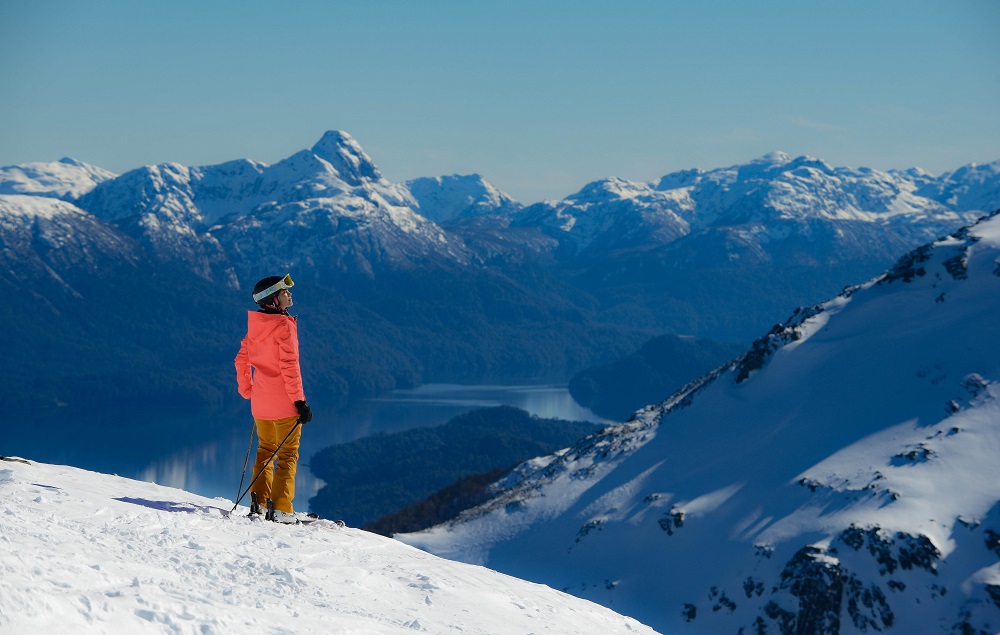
{"x": 244, "y": 380}
{"x": 288, "y": 362}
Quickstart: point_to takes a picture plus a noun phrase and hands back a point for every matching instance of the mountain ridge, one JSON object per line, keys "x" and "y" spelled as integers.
{"x": 493, "y": 284}
{"x": 838, "y": 474}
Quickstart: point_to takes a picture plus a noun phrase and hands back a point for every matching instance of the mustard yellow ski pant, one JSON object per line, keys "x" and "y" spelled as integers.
{"x": 277, "y": 482}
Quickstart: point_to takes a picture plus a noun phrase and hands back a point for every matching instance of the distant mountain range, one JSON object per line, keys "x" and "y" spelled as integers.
{"x": 135, "y": 283}
{"x": 838, "y": 477}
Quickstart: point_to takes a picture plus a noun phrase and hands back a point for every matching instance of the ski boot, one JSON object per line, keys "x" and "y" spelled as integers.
{"x": 255, "y": 507}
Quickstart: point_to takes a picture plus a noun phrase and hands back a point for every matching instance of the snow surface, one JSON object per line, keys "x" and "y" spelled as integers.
{"x": 66, "y": 178}
{"x": 447, "y": 198}
{"x": 82, "y": 552}
{"x": 13, "y": 206}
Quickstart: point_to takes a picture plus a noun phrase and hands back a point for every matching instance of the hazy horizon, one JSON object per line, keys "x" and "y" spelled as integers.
{"x": 539, "y": 98}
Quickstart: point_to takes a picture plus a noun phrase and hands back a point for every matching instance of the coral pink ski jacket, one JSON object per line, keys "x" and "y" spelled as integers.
{"x": 267, "y": 366}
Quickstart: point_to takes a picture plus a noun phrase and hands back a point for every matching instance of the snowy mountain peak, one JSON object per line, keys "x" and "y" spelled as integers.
{"x": 73, "y": 162}
{"x": 446, "y": 198}
{"x": 772, "y": 158}
{"x": 166, "y": 186}
{"x": 66, "y": 178}
{"x": 610, "y": 188}
{"x": 778, "y": 165}
{"x": 975, "y": 186}
{"x": 347, "y": 157}
{"x": 680, "y": 179}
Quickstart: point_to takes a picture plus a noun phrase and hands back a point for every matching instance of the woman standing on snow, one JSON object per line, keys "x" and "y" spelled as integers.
{"x": 268, "y": 374}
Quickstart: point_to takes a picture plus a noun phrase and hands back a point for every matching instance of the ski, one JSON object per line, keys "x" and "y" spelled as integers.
{"x": 259, "y": 513}
{"x": 307, "y": 519}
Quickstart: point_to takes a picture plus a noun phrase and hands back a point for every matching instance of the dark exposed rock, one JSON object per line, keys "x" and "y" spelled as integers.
{"x": 867, "y": 606}
{"x": 909, "y": 266}
{"x": 721, "y": 601}
{"x": 816, "y": 580}
{"x": 785, "y": 619}
{"x": 752, "y": 586}
{"x": 975, "y": 384}
{"x": 763, "y": 551}
{"x": 879, "y": 547}
{"x": 957, "y": 267}
{"x": 813, "y": 485}
{"x": 917, "y": 552}
{"x": 902, "y": 550}
{"x": 763, "y": 348}
{"x": 671, "y": 520}
{"x": 780, "y": 335}
{"x": 919, "y": 454}
{"x": 993, "y": 541}
{"x": 589, "y": 527}
{"x": 964, "y": 628}
{"x": 825, "y": 591}
{"x": 689, "y": 612}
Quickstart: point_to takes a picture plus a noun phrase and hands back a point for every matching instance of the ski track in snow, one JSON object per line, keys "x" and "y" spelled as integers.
{"x": 82, "y": 552}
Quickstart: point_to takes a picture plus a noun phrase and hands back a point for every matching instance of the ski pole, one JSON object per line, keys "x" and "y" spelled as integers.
{"x": 253, "y": 428}
{"x": 271, "y": 458}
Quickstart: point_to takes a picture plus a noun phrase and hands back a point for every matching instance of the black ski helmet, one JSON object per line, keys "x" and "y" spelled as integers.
{"x": 266, "y": 289}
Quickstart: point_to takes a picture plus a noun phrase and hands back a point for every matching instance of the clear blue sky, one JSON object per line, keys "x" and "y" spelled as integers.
{"x": 540, "y": 97}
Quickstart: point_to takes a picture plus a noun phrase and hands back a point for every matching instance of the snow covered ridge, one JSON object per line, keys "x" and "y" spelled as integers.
{"x": 65, "y": 178}
{"x": 447, "y": 198}
{"x": 332, "y": 195}
{"x": 83, "y": 552}
{"x": 177, "y": 210}
{"x": 767, "y": 196}
{"x": 37, "y": 232}
{"x": 206, "y": 218}
{"x": 840, "y": 477}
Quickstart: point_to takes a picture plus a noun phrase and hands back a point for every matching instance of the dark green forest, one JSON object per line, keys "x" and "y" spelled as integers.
{"x": 374, "y": 476}
{"x": 439, "y": 507}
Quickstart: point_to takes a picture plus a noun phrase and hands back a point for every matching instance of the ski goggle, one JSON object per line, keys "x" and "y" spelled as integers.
{"x": 284, "y": 283}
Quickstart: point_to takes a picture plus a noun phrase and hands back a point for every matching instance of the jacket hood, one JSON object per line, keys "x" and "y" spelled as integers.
{"x": 260, "y": 325}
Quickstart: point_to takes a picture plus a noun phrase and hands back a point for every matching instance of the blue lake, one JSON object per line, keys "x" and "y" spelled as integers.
{"x": 204, "y": 453}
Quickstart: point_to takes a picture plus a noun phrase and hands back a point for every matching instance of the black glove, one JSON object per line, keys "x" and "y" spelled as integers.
{"x": 305, "y": 412}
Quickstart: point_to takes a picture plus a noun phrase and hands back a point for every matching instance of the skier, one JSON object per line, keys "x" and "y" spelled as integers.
{"x": 268, "y": 374}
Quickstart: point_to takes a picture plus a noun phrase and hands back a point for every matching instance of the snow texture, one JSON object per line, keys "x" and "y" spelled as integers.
{"x": 82, "y": 552}
{"x": 65, "y": 178}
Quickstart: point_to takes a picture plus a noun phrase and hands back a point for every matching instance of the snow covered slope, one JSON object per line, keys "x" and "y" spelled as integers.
{"x": 446, "y": 198}
{"x": 973, "y": 186}
{"x": 839, "y": 477}
{"x": 66, "y": 178}
{"x": 46, "y": 240}
{"x": 610, "y": 214}
{"x": 82, "y": 552}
